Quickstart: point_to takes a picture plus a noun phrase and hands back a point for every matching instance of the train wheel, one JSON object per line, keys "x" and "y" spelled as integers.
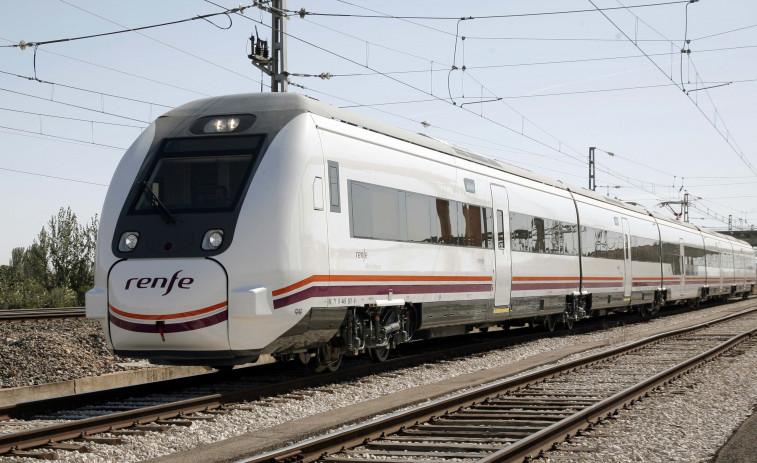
{"x": 330, "y": 366}
{"x": 569, "y": 323}
{"x": 329, "y": 359}
{"x": 550, "y": 323}
{"x": 379, "y": 354}
{"x": 645, "y": 311}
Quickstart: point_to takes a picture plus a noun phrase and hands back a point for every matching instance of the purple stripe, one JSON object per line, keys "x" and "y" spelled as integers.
{"x": 327, "y": 291}
{"x": 646, "y": 283}
{"x": 528, "y": 286}
{"x": 170, "y": 327}
{"x": 608, "y": 284}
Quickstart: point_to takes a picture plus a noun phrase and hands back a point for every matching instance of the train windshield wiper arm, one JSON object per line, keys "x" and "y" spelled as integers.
{"x": 157, "y": 203}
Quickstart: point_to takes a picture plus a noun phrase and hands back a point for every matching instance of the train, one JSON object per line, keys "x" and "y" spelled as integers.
{"x": 252, "y": 224}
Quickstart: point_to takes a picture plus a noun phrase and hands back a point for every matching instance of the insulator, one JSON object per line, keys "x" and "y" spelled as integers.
{"x": 258, "y": 48}
{"x": 265, "y": 49}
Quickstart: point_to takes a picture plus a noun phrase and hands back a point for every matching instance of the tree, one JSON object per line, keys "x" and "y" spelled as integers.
{"x": 71, "y": 249}
{"x": 56, "y": 270}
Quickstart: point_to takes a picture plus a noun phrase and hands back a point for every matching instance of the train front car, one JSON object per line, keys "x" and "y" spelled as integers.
{"x": 203, "y": 218}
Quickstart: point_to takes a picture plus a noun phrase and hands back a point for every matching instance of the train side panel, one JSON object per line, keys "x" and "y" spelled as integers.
{"x": 411, "y": 233}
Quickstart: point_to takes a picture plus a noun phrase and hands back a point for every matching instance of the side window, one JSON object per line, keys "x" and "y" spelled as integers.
{"x": 447, "y": 213}
{"x": 360, "y": 210}
{"x": 500, "y": 230}
{"x": 386, "y": 213}
{"x": 469, "y": 222}
{"x": 334, "y": 186}
{"x": 538, "y": 234}
{"x": 487, "y": 223}
{"x": 418, "y": 217}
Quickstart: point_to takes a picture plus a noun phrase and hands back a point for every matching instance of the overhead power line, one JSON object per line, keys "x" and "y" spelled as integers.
{"x": 23, "y": 45}
{"x": 72, "y": 118}
{"x": 36, "y": 174}
{"x": 727, "y": 137}
{"x": 169, "y": 45}
{"x": 84, "y": 142}
{"x": 84, "y": 89}
{"x": 304, "y": 13}
{"x": 73, "y": 105}
{"x": 119, "y": 71}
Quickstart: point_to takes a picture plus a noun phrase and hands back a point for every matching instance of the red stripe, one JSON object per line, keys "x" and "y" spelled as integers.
{"x": 383, "y": 278}
{"x": 191, "y": 313}
{"x": 376, "y": 290}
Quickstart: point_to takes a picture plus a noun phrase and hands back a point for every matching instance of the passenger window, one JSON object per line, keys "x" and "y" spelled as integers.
{"x": 362, "y": 219}
{"x": 334, "y": 186}
{"x": 386, "y": 214}
{"x": 500, "y": 229}
{"x": 487, "y": 222}
{"x": 418, "y": 217}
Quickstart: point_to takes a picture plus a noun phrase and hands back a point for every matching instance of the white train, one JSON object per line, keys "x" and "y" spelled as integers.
{"x": 274, "y": 224}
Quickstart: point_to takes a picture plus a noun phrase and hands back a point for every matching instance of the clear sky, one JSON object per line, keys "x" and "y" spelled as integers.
{"x": 552, "y": 84}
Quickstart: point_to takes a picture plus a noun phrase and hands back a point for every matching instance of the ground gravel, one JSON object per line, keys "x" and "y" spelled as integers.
{"x": 275, "y": 411}
{"x": 687, "y": 421}
{"x": 48, "y": 351}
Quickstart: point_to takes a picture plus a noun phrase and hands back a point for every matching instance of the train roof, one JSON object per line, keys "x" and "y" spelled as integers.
{"x": 296, "y": 103}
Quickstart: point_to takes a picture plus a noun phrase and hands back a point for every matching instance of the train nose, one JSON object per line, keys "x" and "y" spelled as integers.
{"x": 167, "y": 309}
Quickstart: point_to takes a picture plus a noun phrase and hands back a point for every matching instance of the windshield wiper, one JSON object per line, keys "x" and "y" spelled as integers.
{"x": 157, "y": 203}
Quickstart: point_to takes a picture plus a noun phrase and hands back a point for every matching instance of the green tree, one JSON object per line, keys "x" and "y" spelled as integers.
{"x": 71, "y": 251}
{"x": 56, "y": 270}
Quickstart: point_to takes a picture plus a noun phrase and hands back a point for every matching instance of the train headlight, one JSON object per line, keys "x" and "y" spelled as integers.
{"x": 128, "y": 241}
{"x": 213, "y": 239}
{"x": 221, "y": 125}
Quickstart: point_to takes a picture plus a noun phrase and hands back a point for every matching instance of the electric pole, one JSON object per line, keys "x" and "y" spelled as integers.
{"x": 273, "y": 61}
{"x": 592, "y": 171}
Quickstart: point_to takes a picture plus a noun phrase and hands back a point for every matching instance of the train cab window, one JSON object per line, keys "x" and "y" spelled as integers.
{"x": 198, "y": 175}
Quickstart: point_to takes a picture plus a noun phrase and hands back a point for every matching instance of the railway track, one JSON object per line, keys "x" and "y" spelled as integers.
{"x": 147, "y": 413}
{"x": 7, "y": 316}
{"x": 518, "y": 419}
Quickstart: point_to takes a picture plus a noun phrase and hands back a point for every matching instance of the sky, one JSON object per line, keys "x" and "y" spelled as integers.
{"x": 531, "y": 83}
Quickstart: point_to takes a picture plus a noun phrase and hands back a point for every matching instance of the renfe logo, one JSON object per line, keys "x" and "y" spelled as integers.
{"x": 144, "y": 283}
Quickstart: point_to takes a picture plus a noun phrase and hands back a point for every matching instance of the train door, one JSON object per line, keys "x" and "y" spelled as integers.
{"x": 682, "y": 257}
{"x": 502, "y": 264}
{"x": 628, "y": 271}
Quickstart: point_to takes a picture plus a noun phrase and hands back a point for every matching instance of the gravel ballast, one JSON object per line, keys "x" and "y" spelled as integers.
{"x": 269, "y": 413}
{"x": 48, "y": 351}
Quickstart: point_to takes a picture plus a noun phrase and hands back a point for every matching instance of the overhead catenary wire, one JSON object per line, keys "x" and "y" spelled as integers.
{"x": 23, "y": 45}
{"x": 72, "y": 118}
{"x": 169, "y": 45}
{"x": 56, "y": 177}
{"x": 497, "y": 16}
{"x": 119, "y": 71}
{"x": 83, "y": 142}
{"x": 57, "y": 84}
{"x": 727, "y": 137}
{"x": 74, "y": 105}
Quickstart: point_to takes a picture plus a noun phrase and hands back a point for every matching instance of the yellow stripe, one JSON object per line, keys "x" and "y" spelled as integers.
{"x": 502, "y": 310}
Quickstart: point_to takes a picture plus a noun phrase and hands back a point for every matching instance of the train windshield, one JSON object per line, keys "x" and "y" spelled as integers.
{"x": 199, "y": 175}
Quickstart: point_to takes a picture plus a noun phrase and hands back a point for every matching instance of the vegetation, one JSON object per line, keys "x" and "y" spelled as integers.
{"x": 56, "y": 270}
